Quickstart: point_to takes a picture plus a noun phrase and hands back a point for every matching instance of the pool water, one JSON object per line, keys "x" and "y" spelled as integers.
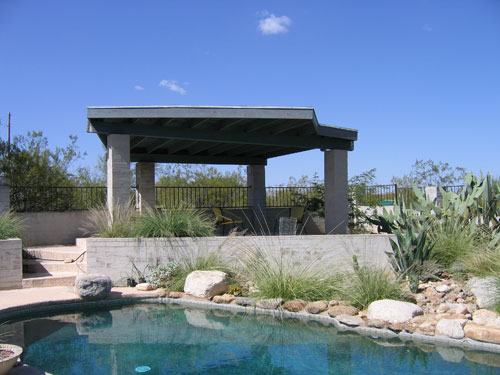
{"x": 158, "y": 339}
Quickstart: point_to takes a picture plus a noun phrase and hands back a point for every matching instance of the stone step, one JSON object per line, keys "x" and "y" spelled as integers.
{"x": 51, "y": 266}
{"x": 56, "y": 252}
{"x": 42, "y": 280}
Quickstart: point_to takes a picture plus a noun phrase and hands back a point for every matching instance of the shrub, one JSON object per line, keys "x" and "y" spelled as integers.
{"x": 178, "y": 222}
{"x": 276, "y": 275}
{"x": 452, "y": 241}
{"x": 118, "y": 225}
{"x": 10, "y": 225}
{"x": 161, "y": 275}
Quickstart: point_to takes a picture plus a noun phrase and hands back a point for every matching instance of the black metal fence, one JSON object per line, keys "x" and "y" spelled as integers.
{"x": 288, "y": 196}
{"x": 201, "y": 197}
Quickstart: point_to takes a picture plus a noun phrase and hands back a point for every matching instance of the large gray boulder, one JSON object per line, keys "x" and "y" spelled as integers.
{"x": 206, "y": 284}
{"x": 92, "y": 286}
{"x": 393, "y": 311}
{"x": 486, "y": 290}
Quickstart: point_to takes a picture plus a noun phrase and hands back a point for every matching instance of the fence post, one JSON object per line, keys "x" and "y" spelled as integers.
{"x": 396, "y": 193}
{"x": 4, "y": 194}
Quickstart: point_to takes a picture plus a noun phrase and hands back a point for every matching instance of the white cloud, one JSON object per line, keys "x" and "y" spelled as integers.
{"x": 427, "y": 28}
{"x": 173, "y": 86}
{"x": 273, "y": 25}
{"x": 138, "y": 87}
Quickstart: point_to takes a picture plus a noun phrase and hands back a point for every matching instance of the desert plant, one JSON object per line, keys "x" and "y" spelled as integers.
{"x": 177, "y": 222}
{"x": 10, "y": 225}
{"x": 278, "y": 275}
{"x": 117, "y": 224}
{"x": 161, "y": 275}
{"x": 367, "y": 284}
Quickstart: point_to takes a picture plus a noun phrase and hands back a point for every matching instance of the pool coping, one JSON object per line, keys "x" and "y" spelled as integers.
{"x": 21, "y": 311}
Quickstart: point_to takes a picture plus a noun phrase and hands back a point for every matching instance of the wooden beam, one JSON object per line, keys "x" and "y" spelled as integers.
{"x": 304, "y": 142}
{"x": 197, "y": 159}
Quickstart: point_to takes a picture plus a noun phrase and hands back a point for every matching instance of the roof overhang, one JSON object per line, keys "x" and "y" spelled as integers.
{"x": 217, "y": 135}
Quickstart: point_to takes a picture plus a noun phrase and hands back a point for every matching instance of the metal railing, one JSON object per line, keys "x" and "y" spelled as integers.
{"x": 288, "y": 196}
{"x": 55, "y": 198}
{"x": 201, "y": 197}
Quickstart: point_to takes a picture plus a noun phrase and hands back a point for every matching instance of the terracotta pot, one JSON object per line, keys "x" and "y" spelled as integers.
{"x": 7, "y": 363}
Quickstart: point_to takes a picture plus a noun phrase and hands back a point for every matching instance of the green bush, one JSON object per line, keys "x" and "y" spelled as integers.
{"x": 177, "y": 222}
{"x": 276, "y": 275}
{"x": 10, "y": 225}
{"x": 121, "y": 224}
{"x": 161, "y": 275}
{"x": 452, "y": 242}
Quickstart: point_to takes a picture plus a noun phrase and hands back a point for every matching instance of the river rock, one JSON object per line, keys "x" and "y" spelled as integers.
{"x": 350, "y": 320}
{"x": 393, "y": 311}
{"x": 144, "y": 287}
{"x": 272, "y": 303}
{"x": 453, "y": 328}
{"x": 92, "y": 286}
{"x": 295, "y": 305}
{"x": 341, "y": 309}
{"x": 225, "y": 298}
{"x": 175, "y": 295}
{"x": 485, "y": 290}
{"x": 443, "y": 288}
{"x": 316, "y": 307}
{"x": 206, "y": 284}
{"x": 482, "y": 333}
{"x": 245, "y": 301}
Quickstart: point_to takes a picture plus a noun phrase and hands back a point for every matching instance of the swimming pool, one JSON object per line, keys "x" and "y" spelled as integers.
{"x": 169, "y": 339}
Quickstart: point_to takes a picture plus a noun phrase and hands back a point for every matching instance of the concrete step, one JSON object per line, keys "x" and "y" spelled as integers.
{"x": 56, "y": 252}
{"x": 43, "y": 280}
{"x": 51, "y": 266}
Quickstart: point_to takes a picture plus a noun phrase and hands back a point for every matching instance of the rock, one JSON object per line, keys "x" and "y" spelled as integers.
{"x": 341, "y": 309}
{"x": 443, "y": 288}
{"x": 206, "y": 284}
{"x": 442, "y": 308}
{"x": 430, "y": 292}
{"x": 485, "y": 317}
{"x": 144, "y": 287}
{"x": 295, "y": 305}
{"x": 160, "y": 292}
{"x": 453, "y": 328}
{"x": 200, "y": 318}
{"x": 333, "y": 302}
{"x": 92, "y": 286}
{"x": 272, "y": 303}
{"x": 393, "y": 311}
{"x": 225, "y": 298}
{"x": 175, "y": 295}
{"x": 482, "y": 333}
{"x": 485, "y": 290}
{"x": 450, "y": 354}
{"x": 396, "y": 327}
{"x": 426, "y": 328}
{"x": 376, "y": 323}
{"x": 316, "y": 307}
{"x": 245, "y": 301}
{"x": 350, "y": 320}
{"x": 457, "y": 308}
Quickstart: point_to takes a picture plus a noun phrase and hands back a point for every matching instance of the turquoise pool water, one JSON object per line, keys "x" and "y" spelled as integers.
{"x": 158, "y": 339}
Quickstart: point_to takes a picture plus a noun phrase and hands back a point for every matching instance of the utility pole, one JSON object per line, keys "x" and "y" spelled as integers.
{"x": 8, "y": 134}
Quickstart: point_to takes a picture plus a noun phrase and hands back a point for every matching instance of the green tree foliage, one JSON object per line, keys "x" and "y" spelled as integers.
{"x": 198, "y": 175}
{"x": 430, "y": 173}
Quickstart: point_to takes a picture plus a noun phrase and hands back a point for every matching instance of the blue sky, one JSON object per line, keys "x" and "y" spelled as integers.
{"x": 419, "y": 79}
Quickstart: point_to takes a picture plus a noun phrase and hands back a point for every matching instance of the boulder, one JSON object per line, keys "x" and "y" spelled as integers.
{"x": 92, "y": 286}
{"x": 316, "y": 307}
{"x": 350, "y": 320}
{"x": 341, "y": 309}
{"x": 245, "y": 301}
{"x": 206, "y": 284}
{"x": 485, "y": 290}
{"x": 175, "y": 295}
{"x": 225, "y": 298}
{"x": 295, "y": 305}
{"x": 482, "y": 333}
{"x": 272, "y": 303}
{"x": 160, "y": 292}
{"x": 393, "y": 311}
{"x": 453, "y": 328}
{"x": 144, "y": 286}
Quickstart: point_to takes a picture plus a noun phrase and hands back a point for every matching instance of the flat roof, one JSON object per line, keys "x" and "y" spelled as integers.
{"x": 217, "y": 134}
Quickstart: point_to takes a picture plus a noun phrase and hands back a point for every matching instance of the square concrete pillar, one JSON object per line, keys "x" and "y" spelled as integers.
{"x": 256, "y": 182}
{"x": 4, "y": 194}
{"x": 145, "y": 182}
{"x": 118, "y": 170}
{"x": 336, "y": 192}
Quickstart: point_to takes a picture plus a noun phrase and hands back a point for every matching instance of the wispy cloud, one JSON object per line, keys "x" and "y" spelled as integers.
{"x": 173, "y": 86}
{"x": 138, "y": 87}
{"x": 271, "y": 24}
{"x": 427, "y": 28}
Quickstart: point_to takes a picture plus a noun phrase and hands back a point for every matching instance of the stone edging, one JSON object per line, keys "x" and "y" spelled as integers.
{"x": 75, "y": 304}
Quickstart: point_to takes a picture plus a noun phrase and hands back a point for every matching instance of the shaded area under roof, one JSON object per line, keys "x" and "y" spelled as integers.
{"x": 217, "y": 135}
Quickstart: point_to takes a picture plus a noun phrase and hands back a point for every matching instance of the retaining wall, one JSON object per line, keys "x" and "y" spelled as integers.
{"x": 114, "y": 257}
{"x": 11, "y": 264}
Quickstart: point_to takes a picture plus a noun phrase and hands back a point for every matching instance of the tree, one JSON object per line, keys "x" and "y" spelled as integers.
{"x": 198, "y": 175}
{"x": 429, "y": 173}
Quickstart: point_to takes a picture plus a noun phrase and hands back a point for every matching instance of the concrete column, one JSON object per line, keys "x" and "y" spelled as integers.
{"x": 118, "y": 165}
{"x": 336, "y": 192}
{"x": 256, "y": 181}
{"x": 4, "y": 194}
{"x": 145, "y": 182}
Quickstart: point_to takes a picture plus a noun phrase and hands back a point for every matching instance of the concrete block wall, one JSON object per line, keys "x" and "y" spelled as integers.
{"x": 114, "y": 257}
{"x": 11, "y": 264}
